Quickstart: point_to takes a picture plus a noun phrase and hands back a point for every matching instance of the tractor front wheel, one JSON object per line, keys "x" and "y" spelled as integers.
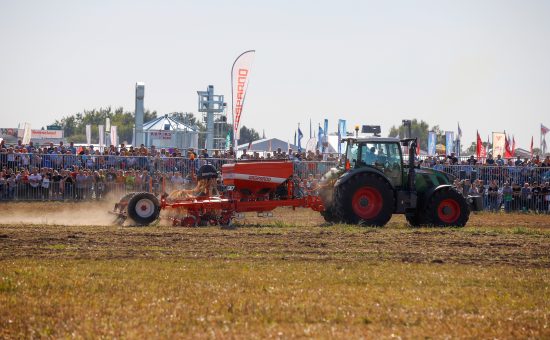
{"x": 447, "y": 208}
{"x": 143, "y": 208}
{"x": 365, "y": 199}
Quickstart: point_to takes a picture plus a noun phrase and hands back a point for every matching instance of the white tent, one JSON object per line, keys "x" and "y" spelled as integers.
{"x": 166, "y": 132}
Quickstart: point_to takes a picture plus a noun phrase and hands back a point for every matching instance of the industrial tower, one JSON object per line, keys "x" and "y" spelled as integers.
{"x": 213, "y": 108}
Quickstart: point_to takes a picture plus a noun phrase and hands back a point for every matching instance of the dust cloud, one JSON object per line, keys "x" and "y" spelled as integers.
{"x": 57, "y": 213}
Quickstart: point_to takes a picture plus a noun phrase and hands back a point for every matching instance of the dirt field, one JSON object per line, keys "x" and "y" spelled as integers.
{"x": 64, "y": 265}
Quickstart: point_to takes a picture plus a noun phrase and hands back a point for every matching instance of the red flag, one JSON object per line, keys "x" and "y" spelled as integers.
{"x": 417, "y": 147}
{"x": 507, "y": 151}
{"x": 479, "y": 145}
{"x": 531, "y": 146}
{"x": 543, "y": 129}
{"x": 513, "y": 145}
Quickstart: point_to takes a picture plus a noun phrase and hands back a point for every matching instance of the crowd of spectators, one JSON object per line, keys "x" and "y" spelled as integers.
{"x": 77, "y": 173}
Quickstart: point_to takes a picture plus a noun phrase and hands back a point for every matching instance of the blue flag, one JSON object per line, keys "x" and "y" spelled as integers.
{"x": 341, "y": 133}
{"x": 320, "y": 138}
{"x": 300, "y": 135}
{"x": 431, "y": 143}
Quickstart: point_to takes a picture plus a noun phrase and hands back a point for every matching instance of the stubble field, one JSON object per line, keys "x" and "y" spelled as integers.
{"x": 66, "y": 272}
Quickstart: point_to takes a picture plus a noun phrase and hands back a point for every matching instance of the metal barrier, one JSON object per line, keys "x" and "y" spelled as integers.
{"x": 116, "y": 175}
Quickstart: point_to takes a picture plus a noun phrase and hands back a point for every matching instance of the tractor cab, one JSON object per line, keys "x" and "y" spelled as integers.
{"x": 382, "y": 154}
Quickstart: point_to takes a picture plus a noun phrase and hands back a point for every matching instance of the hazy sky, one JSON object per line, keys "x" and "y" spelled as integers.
{"x": 483, "y": 63}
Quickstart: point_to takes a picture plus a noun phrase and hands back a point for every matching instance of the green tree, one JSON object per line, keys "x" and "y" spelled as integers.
{"x": 247, "y": 135}
{"x": 74, "y": 126}
{"x": 420, "y": 130}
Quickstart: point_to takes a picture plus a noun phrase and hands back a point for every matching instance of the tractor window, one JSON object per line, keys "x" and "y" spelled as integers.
{"x": 384, "y": 156}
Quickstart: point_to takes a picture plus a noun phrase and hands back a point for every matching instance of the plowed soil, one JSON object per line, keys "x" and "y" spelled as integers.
{"x": 83, "y": 231}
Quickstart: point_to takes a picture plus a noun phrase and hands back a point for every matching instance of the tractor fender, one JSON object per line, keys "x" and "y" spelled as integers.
{"x": 426, "y": 196}
{"x": 346, "y": 176}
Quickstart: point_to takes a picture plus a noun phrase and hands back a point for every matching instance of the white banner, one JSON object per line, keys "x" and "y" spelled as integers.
{"x": 240, "y": 74}
{"x": 498, "y": 144}
{"x": 27, "y": 134}
{"x": 114, "y": 136}
{"x": 88, "y": 134}
{"x": 101, "y": 131}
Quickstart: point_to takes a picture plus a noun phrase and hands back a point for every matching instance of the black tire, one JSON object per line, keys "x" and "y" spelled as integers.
{"x": 329, "y": 215}
{"x": 144, "y": 208}
{"x": 447, "y": 208}
{"x": 417, "y": 219}
{"x": 365, "y": 199}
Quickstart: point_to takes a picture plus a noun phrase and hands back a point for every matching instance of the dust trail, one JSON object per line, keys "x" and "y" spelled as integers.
{"x": 57, "y": 213}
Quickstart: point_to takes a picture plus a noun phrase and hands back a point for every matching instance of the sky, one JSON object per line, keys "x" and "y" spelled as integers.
{"x": 483, "y": 64}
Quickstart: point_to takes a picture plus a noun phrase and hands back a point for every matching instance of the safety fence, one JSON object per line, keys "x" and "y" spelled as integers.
{"x": 114, "y": 178}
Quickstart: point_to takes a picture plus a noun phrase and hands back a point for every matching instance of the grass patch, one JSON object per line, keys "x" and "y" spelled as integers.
{"x": 197, "y": 298}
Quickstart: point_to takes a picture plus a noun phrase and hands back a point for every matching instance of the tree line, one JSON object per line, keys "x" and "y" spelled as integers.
{"x": 74, "y": 126}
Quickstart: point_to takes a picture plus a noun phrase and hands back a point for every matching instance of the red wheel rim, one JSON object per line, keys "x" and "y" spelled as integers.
{"x": 448, "y": 210}
{"x": 367, "y": 202}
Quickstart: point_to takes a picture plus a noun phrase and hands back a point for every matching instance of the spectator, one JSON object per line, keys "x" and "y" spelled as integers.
{"x": 507, "y": 197}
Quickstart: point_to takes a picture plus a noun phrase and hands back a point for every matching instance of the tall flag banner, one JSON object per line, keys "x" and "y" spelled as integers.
{"x": 325, "y": 130}
{"x": 531, "y": 149}
{"x": 228, "y": 140}
{"x": 543, "y": 129}
{"x": 498, "y": 143}
{"x": 507, "y": 151}
{"x": 310, "y": 130}
{"x": 449, "y": 139}
{"x": 418, "y": 146}
{"x": 544, "y": 146}
{"x": 27, "y": 132}
{"x": 479, "y": 145}
{"x": 320, "y": 138}
{"x": 513, "y": 146}
{"x": 300, "y": 136}
{"x": 431, "y": 143}
{"x": 459, "y": 137}
{"x": 114, "y": 136}
{"x": 487, "y": 147}
{"x": 101, "y": 130}
{"x": 88, "y": 134}
{"x": 295, "y": 138}
{"x": 240, "y": 74}
{"x": 341, "y": 133}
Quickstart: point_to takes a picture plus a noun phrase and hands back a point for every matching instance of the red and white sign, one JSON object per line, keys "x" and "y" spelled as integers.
{"x": 240, "y": 74}
{"x": 499, "y": 141}
{"x": 42, "y": 134}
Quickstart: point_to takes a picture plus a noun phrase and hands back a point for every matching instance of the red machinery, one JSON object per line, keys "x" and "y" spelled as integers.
{"x": 249, "y": 187}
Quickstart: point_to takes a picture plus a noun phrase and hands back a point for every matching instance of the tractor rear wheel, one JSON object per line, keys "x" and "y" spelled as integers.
{"x": 144, "y": 208}
{"x": 365, "y": 199}
{"x": 446, "y": 208}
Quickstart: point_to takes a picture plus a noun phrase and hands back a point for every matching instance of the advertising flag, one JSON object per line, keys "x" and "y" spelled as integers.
{"x": 320, "y": 137}
{"x": 88, "y": 134}
{"x": 325, "y": 136}
{"x": 543, "y": 129}
{"x": 498, "y": 143}
{"x": 479, "y": 145}
{"x": 101, "y": 131}
{"x": 114, "y": 136}
{"x": 459, "y": 132}
{"x": 431, "y": 143}
{"x": 507, "y": 151}
{"x": 513, "y": 145}
{"x": 27, "y": 133}
{"x": 449, "y": 139}
{"x": 240, "y": 74}
{"x": 300, "y": 136}
{"x": 341, "y": 133}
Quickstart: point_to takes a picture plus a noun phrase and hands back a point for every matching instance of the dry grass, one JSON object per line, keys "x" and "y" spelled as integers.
{"x": 279, "y": 278}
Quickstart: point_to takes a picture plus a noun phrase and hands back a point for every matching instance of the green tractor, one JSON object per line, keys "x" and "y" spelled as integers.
{"x": 373, "y": 182}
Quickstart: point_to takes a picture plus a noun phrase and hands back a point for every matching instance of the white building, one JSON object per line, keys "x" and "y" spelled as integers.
{"x": 166, "y": 132}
